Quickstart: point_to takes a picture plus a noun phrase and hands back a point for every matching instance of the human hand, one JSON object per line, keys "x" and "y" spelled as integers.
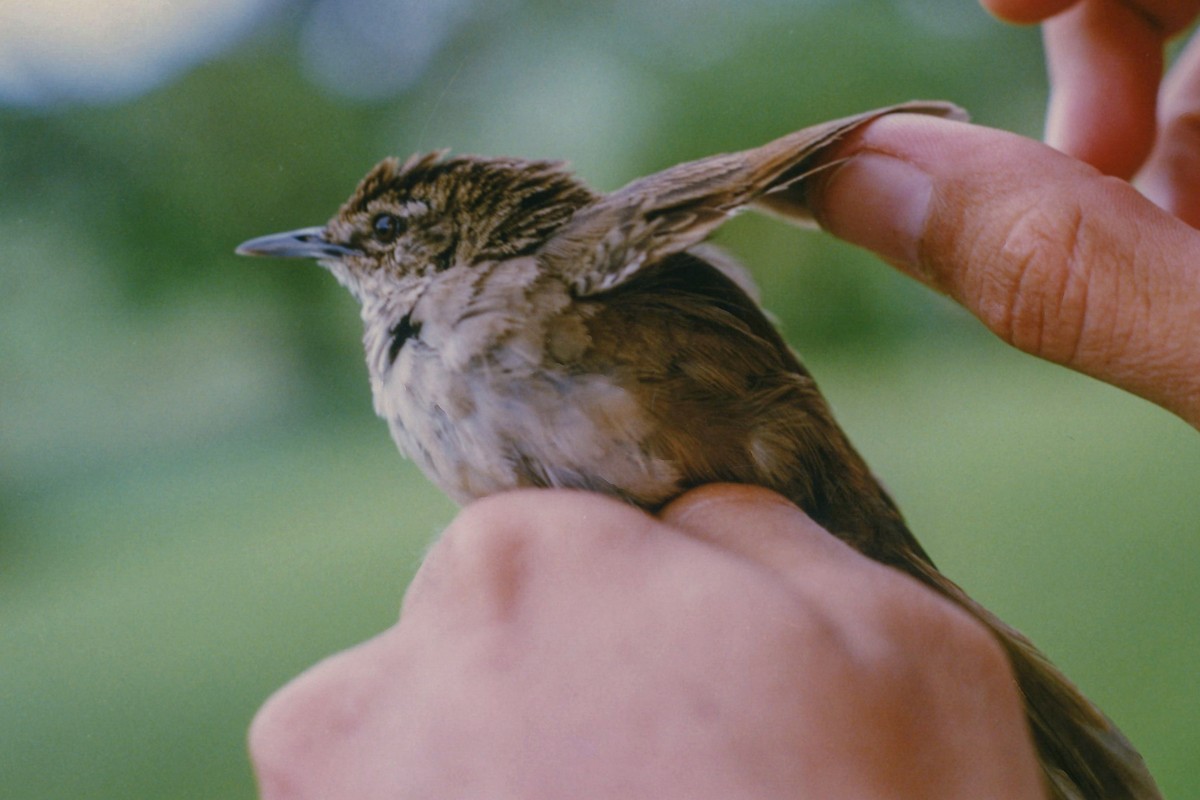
{"x": 1053, "y": 257}
{"x": 562, "y": 644}
{"x": 1107, "y": 107}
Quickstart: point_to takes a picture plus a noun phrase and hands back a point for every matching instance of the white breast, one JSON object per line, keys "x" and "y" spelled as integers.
{"x": 470, "y": 401}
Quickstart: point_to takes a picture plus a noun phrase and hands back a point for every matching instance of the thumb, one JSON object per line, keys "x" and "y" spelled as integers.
{"x": 758, "y": 525}
{"x": 1053, "y": 257}
{"x": 768, "y": 531}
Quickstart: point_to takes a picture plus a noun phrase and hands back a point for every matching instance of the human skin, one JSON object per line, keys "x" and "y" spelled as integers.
{"x": 560, "y": 644}
{"x": 1110, "y": 105}
{"x": 1055, "y": 258}
{"x": 563, "y": 644}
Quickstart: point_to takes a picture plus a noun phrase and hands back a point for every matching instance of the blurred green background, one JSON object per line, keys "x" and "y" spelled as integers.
{"x": 196, "y": 502}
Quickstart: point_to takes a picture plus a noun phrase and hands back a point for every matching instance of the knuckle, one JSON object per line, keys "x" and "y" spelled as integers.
{"x": 483, "y": 556}
{"x": 307, "y": 732}
{"x": 927, "y": 635}
{"x": 969, "y": 645}
{"x": 488, "y": 532}
{"x": 504, "y": 529}
{"x": 282, "y": 739}
{"x": 502, "y": 547}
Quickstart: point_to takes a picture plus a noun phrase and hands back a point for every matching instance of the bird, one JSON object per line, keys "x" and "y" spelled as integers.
{"x": 524, "y": 330}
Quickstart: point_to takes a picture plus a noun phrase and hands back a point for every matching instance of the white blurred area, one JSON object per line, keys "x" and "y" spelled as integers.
{"x": 95, "y": 51}
{"x": 63, "y": 51}
{"x": 371, "y": 49}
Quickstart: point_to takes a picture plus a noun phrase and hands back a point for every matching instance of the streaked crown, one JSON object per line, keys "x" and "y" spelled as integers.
{"x": 434, "y": 212}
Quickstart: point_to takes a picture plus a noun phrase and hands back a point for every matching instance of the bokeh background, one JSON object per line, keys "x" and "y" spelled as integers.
{"x": 196, "y": 502}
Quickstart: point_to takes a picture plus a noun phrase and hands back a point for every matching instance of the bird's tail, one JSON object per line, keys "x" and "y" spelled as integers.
{"x": 1083, "y": 754}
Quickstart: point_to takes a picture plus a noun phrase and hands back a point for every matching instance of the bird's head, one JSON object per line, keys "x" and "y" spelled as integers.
{"x": 408, "y": 222}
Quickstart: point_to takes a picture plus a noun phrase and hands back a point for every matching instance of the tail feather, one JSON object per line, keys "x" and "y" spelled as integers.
{"x": 1083, "y": 754}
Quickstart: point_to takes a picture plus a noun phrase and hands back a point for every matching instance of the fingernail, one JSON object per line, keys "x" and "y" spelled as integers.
{"x": 878, "y": 202}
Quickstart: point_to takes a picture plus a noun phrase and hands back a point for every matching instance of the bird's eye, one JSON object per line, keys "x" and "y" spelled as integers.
{"x": 386, "y": 227}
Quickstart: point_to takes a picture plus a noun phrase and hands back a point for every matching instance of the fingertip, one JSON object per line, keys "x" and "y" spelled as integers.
{"x": 1025, "y": 12}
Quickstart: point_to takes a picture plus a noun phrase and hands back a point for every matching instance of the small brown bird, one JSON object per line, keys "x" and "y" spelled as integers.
{"x": 523, "y": 330}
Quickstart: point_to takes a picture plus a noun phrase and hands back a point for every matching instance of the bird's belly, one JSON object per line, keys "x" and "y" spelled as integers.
{"x": 488, "y": 429}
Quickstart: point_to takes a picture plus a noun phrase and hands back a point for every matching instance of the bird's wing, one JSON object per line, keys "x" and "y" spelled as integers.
{"x": 611, "y": 240}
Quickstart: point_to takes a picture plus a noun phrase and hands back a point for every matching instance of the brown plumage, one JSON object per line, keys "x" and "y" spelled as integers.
{"x": 522, "y": 330}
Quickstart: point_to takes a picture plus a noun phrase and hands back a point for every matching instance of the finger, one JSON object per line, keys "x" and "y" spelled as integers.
{"x": 1054, "y": 258}
{"x": 840, "y": 589}
{"x": 753, "y": 522}
{"x": 1170, "y": 16}
{"x": 499, "y": 549}
{"x": 1025, "y": 12}
{"x": 766, "y": 529}
{"x": 1171, "y": 177}
{"x": 884, "y": 636}
{"x": 1105, "y": 59}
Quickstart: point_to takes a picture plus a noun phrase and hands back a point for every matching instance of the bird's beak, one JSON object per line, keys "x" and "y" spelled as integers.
{"x": 303, "y": 243}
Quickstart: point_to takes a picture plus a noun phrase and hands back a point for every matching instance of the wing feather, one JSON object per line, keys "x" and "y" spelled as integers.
{"x": 609, "y": 241}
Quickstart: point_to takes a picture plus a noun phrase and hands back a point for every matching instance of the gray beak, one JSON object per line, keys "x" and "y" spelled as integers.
{"x": 303, "y": 243}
